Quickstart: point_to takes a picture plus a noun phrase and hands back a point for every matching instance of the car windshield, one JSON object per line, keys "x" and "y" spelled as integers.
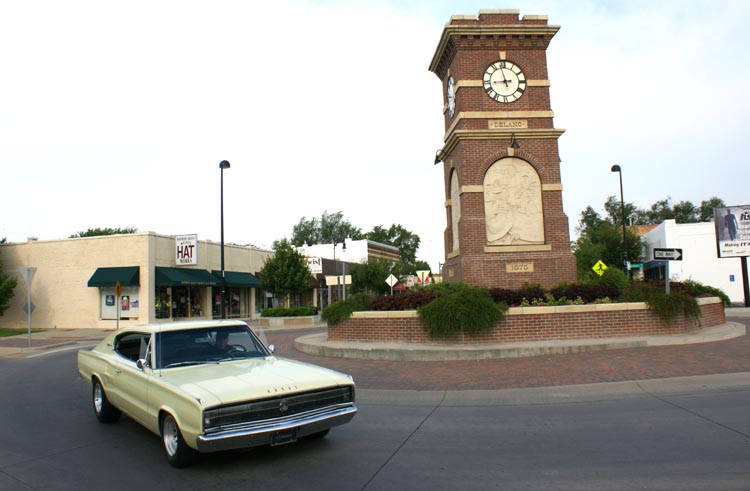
{"x": 209, "y": 345}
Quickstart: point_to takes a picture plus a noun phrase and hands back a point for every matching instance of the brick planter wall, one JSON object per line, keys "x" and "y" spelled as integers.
{"x": 532, "y": 324}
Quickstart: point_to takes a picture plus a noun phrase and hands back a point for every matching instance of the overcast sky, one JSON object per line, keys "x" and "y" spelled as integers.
{"x": 117, "y": 114}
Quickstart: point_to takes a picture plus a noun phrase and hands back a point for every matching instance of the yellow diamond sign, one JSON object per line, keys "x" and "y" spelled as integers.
{"x": 599, "y": 268}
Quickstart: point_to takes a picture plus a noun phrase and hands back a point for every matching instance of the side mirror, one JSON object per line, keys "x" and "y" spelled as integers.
{"x": 271, "y": 348}
{"x": 141, "y": 363}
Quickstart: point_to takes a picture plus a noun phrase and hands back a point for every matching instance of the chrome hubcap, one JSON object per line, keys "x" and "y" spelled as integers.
{"x": 170, "y": 435}
{"x": 98, "y": 398}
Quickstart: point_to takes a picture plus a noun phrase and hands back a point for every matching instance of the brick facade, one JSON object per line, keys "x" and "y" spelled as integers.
{"x": 532, "y": 324}
{"x": 472, "y": 145}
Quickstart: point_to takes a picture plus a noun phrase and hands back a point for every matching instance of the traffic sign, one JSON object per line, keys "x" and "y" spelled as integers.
{"x": 391, "y": 280}
{"x": 599, "y": 268}
{"x": 668, "y": 254}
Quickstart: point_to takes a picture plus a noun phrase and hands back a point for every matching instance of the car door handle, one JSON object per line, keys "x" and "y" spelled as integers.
{"x": 118, "y": 371}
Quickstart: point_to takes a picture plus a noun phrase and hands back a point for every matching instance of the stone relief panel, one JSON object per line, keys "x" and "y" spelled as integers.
{"x": 455, "y": 209}
{"x": 513, "y": 203}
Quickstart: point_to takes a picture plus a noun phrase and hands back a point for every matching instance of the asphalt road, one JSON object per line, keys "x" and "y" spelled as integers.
{"x": 674, "y": 434}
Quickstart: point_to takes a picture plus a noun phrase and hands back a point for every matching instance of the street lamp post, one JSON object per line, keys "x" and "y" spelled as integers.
{"x": 336, "y": 268}
{"x": 616, "y": 168}
{"x": 224, "y": 164}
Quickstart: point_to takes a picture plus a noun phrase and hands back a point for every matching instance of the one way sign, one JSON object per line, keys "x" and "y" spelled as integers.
{"x": 668, "y": 254}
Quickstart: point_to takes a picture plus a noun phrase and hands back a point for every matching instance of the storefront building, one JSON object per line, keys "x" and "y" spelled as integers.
{"x": 161, "y": 279}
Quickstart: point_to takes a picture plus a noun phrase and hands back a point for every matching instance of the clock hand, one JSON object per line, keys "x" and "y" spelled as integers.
{"x": 502, "y": 72}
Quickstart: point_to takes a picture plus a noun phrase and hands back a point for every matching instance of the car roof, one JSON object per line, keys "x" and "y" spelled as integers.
{"x": 184, "y": 325}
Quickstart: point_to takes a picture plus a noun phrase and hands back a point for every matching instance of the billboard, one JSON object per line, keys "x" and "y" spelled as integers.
{"x": 732, "y": 231}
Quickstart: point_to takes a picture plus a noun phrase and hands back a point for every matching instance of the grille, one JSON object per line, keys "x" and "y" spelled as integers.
{"x": 264, "y": 409}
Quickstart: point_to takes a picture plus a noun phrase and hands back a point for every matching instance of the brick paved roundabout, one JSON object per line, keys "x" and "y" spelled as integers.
{"x": 718, "y": 357}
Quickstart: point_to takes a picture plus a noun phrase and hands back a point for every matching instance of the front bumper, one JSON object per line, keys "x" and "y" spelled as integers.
{"x": 262, "y": 432}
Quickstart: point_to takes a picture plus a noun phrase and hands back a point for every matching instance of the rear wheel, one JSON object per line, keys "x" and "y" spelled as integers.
{"x": 105, "y": 412}
{"x": 178, "y": 453}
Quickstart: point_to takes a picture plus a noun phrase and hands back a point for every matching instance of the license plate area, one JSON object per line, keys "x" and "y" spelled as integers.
{"x": 283, "y": 437}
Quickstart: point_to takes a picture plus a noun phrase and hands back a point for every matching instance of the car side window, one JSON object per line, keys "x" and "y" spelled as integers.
{"x": 129, "y": 345}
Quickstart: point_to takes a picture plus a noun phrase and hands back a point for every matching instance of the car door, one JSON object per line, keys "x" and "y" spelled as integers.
{"x": 129, "y": 382}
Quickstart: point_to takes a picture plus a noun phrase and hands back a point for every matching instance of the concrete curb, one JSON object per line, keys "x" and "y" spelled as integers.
{"x": 558, "y": 394}
{"x": 318, "y": 345}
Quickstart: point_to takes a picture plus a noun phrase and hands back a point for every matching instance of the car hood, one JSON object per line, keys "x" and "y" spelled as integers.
{"x": 257, "y": 378}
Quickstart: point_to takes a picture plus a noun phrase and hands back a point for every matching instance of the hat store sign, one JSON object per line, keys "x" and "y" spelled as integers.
{"x": 186, "y": 249}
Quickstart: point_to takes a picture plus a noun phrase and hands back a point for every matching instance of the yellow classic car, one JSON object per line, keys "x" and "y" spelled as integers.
{"x": 206, "y": 386}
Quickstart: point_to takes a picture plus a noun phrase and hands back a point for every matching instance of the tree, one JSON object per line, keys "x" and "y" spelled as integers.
{"x": 329, "y": 229}
{"x": 660, "y": 211}
{"x": 685, "y": 212}
{"x": 7, "y": 285}
{"x": 602, "y": 241}
{"x": 397, "y": 236}
{"x": 682, "y": 212}
{"x": 633, "y": 216}
{"x": 96, "y": 232}
{"x": 369, "y": 277}
{"x": 706, "y": 209}
{"x": 286, "y": 272}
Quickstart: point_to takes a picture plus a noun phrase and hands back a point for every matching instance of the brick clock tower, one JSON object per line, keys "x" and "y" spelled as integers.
{"x": 505, "y": 220}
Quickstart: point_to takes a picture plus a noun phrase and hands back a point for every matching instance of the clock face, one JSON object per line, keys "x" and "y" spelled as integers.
{"x": 451, "y": 96}
{"x": 504, "y": 81}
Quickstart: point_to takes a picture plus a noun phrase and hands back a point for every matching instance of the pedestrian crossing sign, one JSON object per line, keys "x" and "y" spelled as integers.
{"x": 599, "y": 268}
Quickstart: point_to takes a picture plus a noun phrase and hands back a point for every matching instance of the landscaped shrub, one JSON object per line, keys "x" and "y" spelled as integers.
{"x": 343, "y": 309}
{"x": 468, "y": 310}
{"x": 666, "y": 307}
{"x": 614, "y": 277}
{"x": 288, "y": 312}
{"x": 447, "y": 287}
{"x": 514, "y": 298}
{"x": 589, "y": 293}
{"x": 410, "y": 300}
{"x": 700, "y": 290}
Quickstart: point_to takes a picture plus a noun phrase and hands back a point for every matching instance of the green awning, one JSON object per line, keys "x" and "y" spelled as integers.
{"x": 235, "y": 279}
{"x": 127, "y": 275}
{"x": 185, "y": 277}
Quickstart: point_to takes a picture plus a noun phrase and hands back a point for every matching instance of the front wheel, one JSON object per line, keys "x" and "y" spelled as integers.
{"x": 178, "y": 453}
{"x": 105, "y": 412}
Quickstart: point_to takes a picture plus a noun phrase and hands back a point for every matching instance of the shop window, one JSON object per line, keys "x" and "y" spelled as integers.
{"x": 187, "y": 301}
{"x": 163, "y": 303}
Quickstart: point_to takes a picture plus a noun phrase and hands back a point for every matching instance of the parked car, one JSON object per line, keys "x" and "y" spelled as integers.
{"x": 206, "y": 386}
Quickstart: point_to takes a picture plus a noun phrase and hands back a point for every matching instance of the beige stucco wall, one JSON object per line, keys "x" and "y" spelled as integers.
{"x": 59, "y": 288}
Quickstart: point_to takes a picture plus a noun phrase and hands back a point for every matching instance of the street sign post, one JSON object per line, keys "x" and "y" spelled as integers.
{"x": 391, "y": 280}
{"x": 667, "y": 255}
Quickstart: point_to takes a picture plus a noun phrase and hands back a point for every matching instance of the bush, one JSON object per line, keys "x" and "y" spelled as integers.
{"x": 447, "y": 287}
{"x": 666, "y": 307}
{"x": 409, "y": 300}
{"x": 343, "y": 309}
{"x": 530, "y": 293}
{"x": 700, "y": 290}
{"x": 468, "y": 310}
{"x": 289, "y": 312}
{"x": 589, "y": 293}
